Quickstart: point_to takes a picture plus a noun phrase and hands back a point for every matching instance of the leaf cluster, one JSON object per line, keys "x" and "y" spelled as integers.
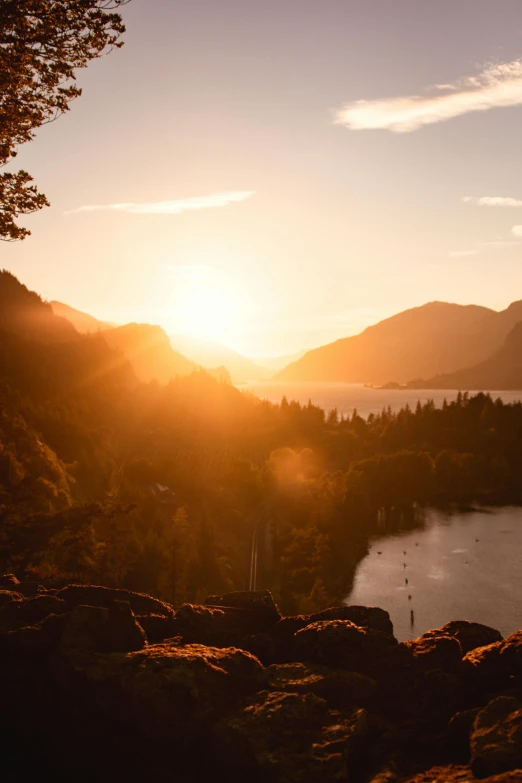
{"x": 42, "y": 44}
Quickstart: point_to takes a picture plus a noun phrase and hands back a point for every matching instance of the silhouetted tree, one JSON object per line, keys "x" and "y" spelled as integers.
{"x": 42, "y": 43}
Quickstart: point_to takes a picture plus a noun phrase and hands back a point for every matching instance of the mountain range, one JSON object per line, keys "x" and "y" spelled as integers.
{"x": 155, "y": 355}
{"x": 436, "y": 345}
{"x": 433, "y": 340}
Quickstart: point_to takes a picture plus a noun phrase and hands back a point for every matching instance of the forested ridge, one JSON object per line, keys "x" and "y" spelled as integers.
{"x": 158, "y": 488}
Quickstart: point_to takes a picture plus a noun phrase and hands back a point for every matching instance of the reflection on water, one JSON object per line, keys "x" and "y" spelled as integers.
{"x": 464, "y": 566}
{"x": 347, "y": 396}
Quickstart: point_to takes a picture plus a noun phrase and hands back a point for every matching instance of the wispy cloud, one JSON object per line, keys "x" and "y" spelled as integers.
{"x": 493, "y": 201}
{"x": 495, "y": 86}
{"x": 170, "y": 207}
{"x": 517, "y": 231}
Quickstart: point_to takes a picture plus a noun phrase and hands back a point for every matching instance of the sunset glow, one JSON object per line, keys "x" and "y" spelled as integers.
{"x": 206, "y": 305}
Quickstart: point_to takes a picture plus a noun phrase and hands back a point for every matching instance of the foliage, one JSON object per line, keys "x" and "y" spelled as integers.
{"x": 42, "y": 44}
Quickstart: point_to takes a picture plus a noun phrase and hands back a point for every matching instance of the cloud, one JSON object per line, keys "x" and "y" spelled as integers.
{"x": 170, "y": 207}
{"x": 493, "y": 201}
{"x": 517, "y": 231}
{"x": 495, "y": 86}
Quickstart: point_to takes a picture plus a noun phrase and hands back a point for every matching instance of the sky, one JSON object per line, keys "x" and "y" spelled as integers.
{"x": 280, "y": 174}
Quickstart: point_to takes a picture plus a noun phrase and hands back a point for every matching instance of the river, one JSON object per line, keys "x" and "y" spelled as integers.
{"x": 347, "y": 396}
{"x": 459, "y": 566}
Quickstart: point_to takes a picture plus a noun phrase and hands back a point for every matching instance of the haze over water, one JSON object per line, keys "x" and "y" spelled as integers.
{"x": 463, "y": 566}
{"x": 347, "y": 396}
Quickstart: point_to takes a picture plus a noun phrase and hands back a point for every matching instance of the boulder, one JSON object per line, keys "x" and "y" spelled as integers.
{"x": 96, "y": 629}
{"x": 283, "y": 635}
{"x": 157, "y": 627}
{"x": 339, "y": 644}
{"x": 364, "y": 616}
{"x": 285, "y": 629}
{"x": 34, "y": 641}
{"x": 9, "y": 581}
{"x": 470, "y": 635}
{"x": 264, "y": 647}
{"x": 430, "y": 698}
{"x": 340, "y": 689}
{"x": 168, "y": 693}
{"x": 459, "y": 730}
{"x": 291, "y": 738}
{"x": 91, "y": 595}
{"x": 435, "y": 652}
{"x": 206, "y": 625}
{"x": 256, "y": 612}
{"x": 124, "y": 633}
{"x": 30, "y": 611}
{"x": 496, "y": 737}
{"x": 30, "y": 588}
{"x": 6, "y": 596}
{"x": 485, "y": 671}
{"x": 511, "y": 655}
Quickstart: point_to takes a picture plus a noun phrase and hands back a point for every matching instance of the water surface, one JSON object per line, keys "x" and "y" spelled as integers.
{"x": 465, "y": 566}
{"x": 347, "y": 396}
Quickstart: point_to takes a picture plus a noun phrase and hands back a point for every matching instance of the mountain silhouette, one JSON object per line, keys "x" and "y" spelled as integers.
{"x": 149, "y": 352}
{"x": 24, "y": 313}
{"x": 43, "y": 355}
{"x": 145, "y": 346}
{"x": 434, "y": 339}
{"x": 502, "y": 371}
{"x": 82, "y": 322}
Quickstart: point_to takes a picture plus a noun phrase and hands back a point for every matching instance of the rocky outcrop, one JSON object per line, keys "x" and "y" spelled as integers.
{"x": 496, "y": 737}
{"x": 91, "y": 595}
{"x": 337, "y": 688}
{"x": 470, "y": 635}
{"x": 292, "y": 738}
{"x": 435, "y": 652}
{"x": 115, "y": 685}
{"x": 340, "y": 644}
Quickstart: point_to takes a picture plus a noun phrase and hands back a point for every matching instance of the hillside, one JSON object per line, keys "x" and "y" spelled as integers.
{"x": 425, "y": 341}
{"x": 149, "y": 351}
{"x": 503, "y": 370}
{"x": 82, "y": 322}
{"x": 56, "y": 387}
{"x": 210, "y": 354}
{"x": 24, "y": 312}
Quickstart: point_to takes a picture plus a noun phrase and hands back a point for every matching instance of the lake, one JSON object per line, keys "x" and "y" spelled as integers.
{"x": 347, "y": 396}
{"x": 464, "y": 566}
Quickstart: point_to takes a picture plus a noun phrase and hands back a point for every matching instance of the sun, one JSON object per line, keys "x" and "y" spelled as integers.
{"x": 208, "y": 307}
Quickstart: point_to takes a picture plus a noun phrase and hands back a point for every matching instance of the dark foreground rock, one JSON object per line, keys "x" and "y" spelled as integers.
{"x": 109, "y": 685}
{"x": 454, "y": 774}
{"x": 496, "y": 737}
